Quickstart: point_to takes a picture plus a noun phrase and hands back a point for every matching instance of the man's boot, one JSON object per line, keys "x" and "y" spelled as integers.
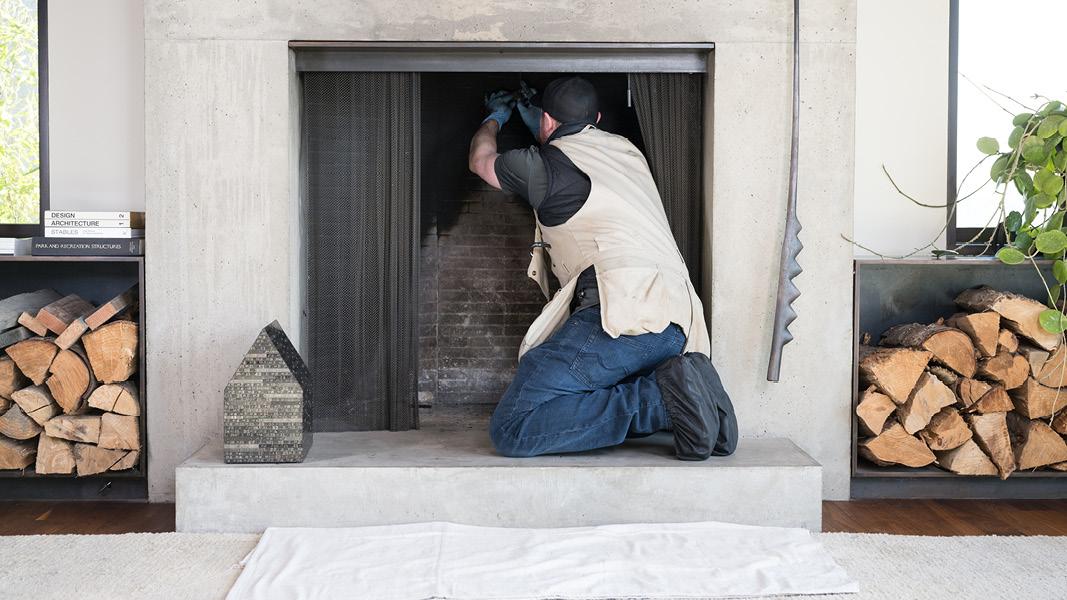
{"x": 726, "y": 440}
{"x": 701, "y": 414}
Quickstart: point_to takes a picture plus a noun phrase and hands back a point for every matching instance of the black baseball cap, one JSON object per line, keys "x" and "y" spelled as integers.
{"x": 571, "y": 100}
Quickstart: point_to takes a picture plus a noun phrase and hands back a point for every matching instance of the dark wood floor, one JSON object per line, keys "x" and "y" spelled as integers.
{"x": 26, "y": 518}
{"x": 947, "y": 517}
{"x": 905, "y": 517}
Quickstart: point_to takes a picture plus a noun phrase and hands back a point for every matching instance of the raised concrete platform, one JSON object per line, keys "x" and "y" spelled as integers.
{"x": 448, "y": 472}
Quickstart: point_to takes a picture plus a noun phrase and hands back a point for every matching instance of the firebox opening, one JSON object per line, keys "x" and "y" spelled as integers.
{"x": 475, "y": 301}
{"x": 416, "y": 288}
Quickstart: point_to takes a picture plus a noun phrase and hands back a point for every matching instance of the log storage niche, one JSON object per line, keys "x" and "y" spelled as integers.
{"x": 958, "y": 388}
{"x": 71, "y": 388}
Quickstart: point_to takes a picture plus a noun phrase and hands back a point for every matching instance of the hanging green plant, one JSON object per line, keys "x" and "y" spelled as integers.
{"x": 1035, "y": 162}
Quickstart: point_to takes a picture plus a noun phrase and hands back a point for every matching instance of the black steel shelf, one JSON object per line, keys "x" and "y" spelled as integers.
{"x": 893, "y": 291}
{"x": 868, "y": 470}
{"x": 98, "y": 279}
{"x": 95, "y": 259}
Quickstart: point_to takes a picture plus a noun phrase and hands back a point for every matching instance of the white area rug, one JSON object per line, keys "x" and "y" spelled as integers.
{"x": 446, "y": 560}
{"x": 179, "y": 566}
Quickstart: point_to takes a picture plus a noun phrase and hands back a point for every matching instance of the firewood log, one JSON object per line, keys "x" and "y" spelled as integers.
{"x": 929, "y": 397}
{"x": 33, "y": 357}
{"x": 113, "y": 307}
{"x": 30, "y": 322}
{"x": 991, "y": 434}
{"x": 1035, "y": 443}
{"x": 947, "y": 430}
{"x": 945, "y": 374}
{"x": 970, "y": 391}
{"x": 1018, "y": 313}
{"x": 1007, "y": 369}
{"x": 118, "y": 398}
{"x": 995, "y": 400}
{"x": 55, "y": 456}
{"x": 895, "y": 447}
{"x": 37, "y": 402}
{"x": 1007, "y": 342}
{"x": 968, "y": 459}
{"x": 1059, "y": 424}
{"x": 1053, "y": 372}
{"x": 13, "y": 306}
{"x": 1036, "y": 401}
{"x": 11, "y": 378}
{"x": 57, "y": 315}
{"x": 894, "y": 371}
{"x": 14, "y": 336}
{"x": 76, "y": 428}
{"x": 92, "y": 459}
{"x": 126, "y": 462}
{"x": 983, "y": 328}
{"x": 112, "y": 351}
{"x": 72, "y": 333}
{"x": 71, "y": 380}
{"x": 873, "y": 409}
{"x": 15, "y": 454}
{"x": 17, "y": 425}
{"x": 1058, "y": 466}
{"x": 1035, "y": 357}
{"x": 119, "y": 432}
{"x": 950, "y": 347}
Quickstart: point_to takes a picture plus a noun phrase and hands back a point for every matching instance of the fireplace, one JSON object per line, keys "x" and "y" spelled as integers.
{"x": 416, "y": 295}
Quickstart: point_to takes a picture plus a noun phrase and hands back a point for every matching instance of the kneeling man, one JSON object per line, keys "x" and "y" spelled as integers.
{"x": 622, "y": 349}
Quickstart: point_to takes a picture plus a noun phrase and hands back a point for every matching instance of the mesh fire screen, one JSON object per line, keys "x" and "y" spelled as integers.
{"x": 360, "y": 138}
{"x": 670, "y": 108}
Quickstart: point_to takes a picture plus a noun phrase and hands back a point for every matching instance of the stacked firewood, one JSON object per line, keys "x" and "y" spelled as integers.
{"x": 67, "y": 402}
{"x": 983, "y": 392}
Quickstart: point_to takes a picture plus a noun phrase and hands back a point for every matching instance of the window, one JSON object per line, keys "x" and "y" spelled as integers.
{"x": 23, "y": 102}
{"x": 1001, "y": 55}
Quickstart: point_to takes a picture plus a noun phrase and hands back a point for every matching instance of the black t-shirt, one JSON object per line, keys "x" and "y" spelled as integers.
{"x": 555, "y": 188}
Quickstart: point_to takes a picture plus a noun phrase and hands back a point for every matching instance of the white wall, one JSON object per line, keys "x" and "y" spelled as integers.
{"x": 96, "y": 104}
{"x": 901, "y": 122}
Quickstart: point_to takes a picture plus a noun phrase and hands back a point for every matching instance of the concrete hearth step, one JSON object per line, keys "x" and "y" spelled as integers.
{"x": 448, "y": 472}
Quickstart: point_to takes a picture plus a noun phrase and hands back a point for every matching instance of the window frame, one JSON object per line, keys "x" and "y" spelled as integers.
{"x": 956, "y": 238}
{"x": 28, "y": 230}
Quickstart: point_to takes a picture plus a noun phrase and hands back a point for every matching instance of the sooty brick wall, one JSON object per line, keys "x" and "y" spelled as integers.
{"x": 476, "y": 301}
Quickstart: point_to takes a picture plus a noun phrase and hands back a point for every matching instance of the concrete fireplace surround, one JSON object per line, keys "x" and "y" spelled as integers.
{"x": 221, "y": 166}
{"x": 447, "y": 471}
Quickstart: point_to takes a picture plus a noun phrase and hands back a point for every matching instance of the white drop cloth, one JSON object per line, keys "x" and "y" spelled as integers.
{"x": 445, "y": 560}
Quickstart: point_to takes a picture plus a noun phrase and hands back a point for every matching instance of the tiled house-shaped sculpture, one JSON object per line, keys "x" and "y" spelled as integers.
{"x": 267, "y": 404}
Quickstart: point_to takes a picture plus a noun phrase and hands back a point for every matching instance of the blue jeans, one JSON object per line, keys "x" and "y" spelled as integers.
{"x": 582, "y": 390}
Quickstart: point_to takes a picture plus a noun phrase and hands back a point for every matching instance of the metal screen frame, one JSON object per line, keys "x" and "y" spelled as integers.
{"x": 494, "y": 57}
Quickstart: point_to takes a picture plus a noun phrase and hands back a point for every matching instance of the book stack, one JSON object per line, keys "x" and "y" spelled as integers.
{"x": 87, "y": 233}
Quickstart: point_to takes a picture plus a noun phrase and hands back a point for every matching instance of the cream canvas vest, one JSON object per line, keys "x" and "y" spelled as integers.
{"x": 622, "y": 230}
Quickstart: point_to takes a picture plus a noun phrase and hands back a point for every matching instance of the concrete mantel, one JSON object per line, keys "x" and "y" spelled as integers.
{"x": 220, "y": 187}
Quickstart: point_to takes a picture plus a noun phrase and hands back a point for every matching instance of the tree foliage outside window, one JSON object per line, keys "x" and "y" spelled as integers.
{"x": 20, "y": 157}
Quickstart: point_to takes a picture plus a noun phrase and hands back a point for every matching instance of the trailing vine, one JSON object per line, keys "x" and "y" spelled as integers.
{"x": 1035, "y": 163}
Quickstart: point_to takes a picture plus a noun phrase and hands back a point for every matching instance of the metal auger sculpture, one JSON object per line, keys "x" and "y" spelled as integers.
{"x": 791, "y": 246}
